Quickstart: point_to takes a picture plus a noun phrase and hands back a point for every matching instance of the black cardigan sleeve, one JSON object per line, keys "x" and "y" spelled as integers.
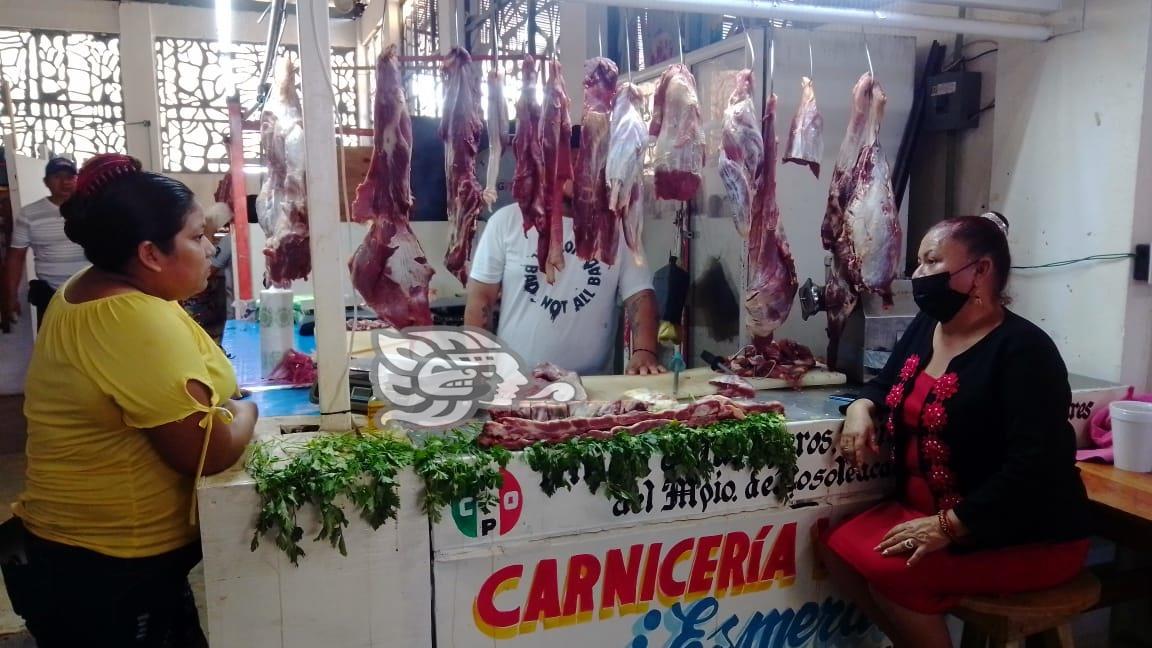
{"x": 1038, "y": 444}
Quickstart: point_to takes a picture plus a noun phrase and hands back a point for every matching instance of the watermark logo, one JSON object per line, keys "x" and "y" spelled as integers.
{"x": 440, "y": 376}
{"x": 474, "y": 523}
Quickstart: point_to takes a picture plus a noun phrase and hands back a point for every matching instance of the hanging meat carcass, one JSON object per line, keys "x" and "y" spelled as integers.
{"x": 624, "y": 170}
{"x": 282, "y": 204}
{"x": 529, "y": 176}
{"x": 679, "y": 132}
{"x": 772, "y": 281}
{"x": 556, "y": 143}
{"x": 460, "y": 130}
{"x": 498, "y": 138}
{"x": 861, "y": 227}
{"x": 390, "y": 269}
{"x": 741, "y": 151}
{"x": 806, "y": 134}
{"x": 595, "y": 230}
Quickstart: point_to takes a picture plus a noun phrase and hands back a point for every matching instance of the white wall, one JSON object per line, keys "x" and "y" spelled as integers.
{"x": 1071, "y": 134}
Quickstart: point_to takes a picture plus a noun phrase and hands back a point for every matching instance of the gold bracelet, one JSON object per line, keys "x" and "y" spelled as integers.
{"x": 946, "y": 525}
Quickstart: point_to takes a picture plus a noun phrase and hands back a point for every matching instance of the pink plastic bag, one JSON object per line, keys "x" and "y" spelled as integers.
{"x": 1100, "y": 431}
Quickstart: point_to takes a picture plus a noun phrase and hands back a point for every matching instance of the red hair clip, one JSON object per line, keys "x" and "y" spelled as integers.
{"x": 98, "y": 171}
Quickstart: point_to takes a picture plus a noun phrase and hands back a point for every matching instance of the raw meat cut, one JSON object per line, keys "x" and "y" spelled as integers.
{"x": 389, "y": 269}
{"x": 460, "y": 130}
{"x": 594, "y": 227}
{"x": 772, "y": 281}
{"x": 552, "y": 410}
{"x": 741, "y": 151}
{"x": 498, "y": 138}
{"x": 529, "y": 177}
{"x": 391, "y": 272}
{"x": 782, "y": 359}
{"x": 546, "y": 374}
{"x": 282, "y": 205}
{"x": 733, "y": 386}
{"x": 872, "y": 220}
{"x": 861, "y": 228}
{"x": 624, "y": 170}
{"x": 556, "y": 143}
{"x": 517, "y": 434}
{"x": 806, "y": 134}
{"x": 679, "y": 132}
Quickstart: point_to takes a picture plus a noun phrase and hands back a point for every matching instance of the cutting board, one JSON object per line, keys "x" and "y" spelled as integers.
{"x": 694, "y": 383}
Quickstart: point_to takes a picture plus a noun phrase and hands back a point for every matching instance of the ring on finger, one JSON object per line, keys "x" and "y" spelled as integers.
{"x": 909, "y": 544}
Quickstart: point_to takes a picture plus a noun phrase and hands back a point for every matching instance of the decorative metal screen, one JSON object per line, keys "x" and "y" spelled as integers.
{"x": 66, "y": 92}
{"x": 194, "y": 101}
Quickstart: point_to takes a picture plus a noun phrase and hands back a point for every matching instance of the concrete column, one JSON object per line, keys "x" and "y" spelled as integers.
{"x": 138, "y": 76}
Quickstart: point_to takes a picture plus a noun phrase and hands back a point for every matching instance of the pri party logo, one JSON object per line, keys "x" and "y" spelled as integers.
{"x": 438, "y": 377}
{"x": 474, "y": 523}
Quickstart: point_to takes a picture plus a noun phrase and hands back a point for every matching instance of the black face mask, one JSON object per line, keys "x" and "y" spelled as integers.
{"x": 936, "y": 298}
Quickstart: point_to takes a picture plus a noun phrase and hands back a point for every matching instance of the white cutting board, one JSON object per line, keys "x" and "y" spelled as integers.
{"x": 694, "y": 383}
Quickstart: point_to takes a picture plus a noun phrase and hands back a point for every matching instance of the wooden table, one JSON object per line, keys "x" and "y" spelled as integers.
{"x": 1119, "y": 490}
{"x": 1122, "y": 508}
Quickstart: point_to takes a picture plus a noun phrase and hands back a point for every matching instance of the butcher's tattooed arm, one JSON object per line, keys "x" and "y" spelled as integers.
{"x": 482, "y": 300}
{"x": 640, "y": 309}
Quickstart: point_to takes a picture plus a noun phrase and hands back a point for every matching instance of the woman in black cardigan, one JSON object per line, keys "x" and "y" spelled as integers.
{"x": 973, "y": 404}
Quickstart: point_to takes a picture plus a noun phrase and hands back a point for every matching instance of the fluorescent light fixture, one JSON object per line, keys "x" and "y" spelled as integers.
{"x": 224, "y": 40}
{"x": 254, "y": 169}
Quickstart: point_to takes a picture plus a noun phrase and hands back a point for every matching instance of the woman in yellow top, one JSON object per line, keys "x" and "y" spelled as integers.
{"x": 128, "y": 401}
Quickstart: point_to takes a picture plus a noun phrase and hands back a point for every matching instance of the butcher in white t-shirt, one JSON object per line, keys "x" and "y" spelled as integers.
{"x": 571, "y": 323}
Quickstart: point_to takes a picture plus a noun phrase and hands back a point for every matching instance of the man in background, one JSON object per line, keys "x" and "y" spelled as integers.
{"x": 40, "y": 226}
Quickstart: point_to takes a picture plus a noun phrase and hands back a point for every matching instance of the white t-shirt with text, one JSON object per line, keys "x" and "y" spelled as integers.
{"x": 41, "y": 227}
{"x": 571, "y": 323}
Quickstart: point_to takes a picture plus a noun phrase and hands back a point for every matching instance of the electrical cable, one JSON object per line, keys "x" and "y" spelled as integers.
{"x": 1095, "y": 257}
{"x": 965, "y": 61}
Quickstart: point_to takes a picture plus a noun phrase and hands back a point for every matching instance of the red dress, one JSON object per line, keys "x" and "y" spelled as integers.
{"x": 937, "y": 583}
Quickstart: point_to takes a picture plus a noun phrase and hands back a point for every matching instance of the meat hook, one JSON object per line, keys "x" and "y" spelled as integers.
{"x": 868, "y": 53}
{"x": 748, "y": 37}
{"x": 772, "y": 64}
{"x": 680, "y": 37}
{"x": 811, "y": 66}
{"x": 628, "y": 43}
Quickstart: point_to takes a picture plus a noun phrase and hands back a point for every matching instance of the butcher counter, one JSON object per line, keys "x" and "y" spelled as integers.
{"x": 723, "y": 559}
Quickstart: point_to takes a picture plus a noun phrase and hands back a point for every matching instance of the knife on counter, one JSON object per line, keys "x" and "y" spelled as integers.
{"x": 717, "y": 363}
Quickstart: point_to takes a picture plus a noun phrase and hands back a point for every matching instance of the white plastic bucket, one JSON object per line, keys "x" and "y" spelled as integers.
{"x": 1132, "y": 435}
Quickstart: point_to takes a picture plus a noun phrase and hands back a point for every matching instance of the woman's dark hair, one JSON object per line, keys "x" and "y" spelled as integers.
{"x": 985, "y": 235}
{"x": 116, "y": 206}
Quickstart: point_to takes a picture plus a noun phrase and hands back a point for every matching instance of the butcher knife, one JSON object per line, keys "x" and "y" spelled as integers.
{"x": 717, "y": 363}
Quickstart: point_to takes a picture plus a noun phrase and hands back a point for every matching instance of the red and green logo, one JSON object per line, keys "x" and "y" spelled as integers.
{"x": 474, "y": 523}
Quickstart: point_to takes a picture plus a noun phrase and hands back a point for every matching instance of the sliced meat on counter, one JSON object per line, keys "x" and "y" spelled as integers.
{"x": 498, "y": 137}
{"x": 625, "y": 166}
{"x": 741, "y": 151}
{"x": 460, "y": 129}
{"x": 594, "y": 226}
{"x": 806, "y": 134}
{"x": 679, "y": 132}
{"x": 782, "y": 359}
{"x": 389, "y": 269}
{"x": 733, "y": 386}
{"x": 556, "y": 143}
{"x": 282, "y": 205}
{"x": 528, "y": 180}
{"x": 551, "y": 410}
{"x": 517, "y": 434}
{"x": 546, "y": 373}
{"x": 772, "y": 281}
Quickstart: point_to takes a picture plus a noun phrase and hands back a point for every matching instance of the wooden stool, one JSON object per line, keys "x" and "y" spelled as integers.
{"x": 1006, "y": 621}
